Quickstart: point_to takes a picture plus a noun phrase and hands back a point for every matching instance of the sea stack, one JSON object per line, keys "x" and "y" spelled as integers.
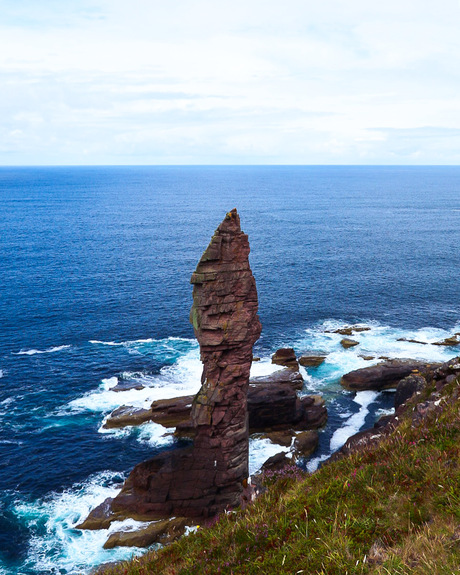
{"x": 226, "y": 324}
{"x": 207, "y": 477}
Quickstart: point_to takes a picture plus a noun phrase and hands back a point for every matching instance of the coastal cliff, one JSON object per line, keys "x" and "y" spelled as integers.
{"x": 389, "y": 504}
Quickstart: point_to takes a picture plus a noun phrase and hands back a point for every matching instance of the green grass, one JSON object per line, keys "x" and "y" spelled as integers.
{"x": 391, "y": 509}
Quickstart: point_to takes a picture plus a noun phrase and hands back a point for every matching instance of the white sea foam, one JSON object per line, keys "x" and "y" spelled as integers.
{"x": 7, "y": 401}
{"x": 181, "y": 378}
{"x": 38, "y": 351}
{"x": 312, "y": 464}
{"x": 264, "y": 367}
{"x": 166, "y": 349}
{"x": 155, "y": 435}
{"x": 55, "y": 544}
{"x": 260, "y": 450}
{"x": 123, "y": 343}
{"x": 150, "y": 433}
{"x": 2, "y": 373}
{"x": 356, "y": 421}
{"x": 379, "y": 341}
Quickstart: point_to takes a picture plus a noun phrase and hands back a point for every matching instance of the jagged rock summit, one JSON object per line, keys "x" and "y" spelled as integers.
{"x": 208, "y": 476}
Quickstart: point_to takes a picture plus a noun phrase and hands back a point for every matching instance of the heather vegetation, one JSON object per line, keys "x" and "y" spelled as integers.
{"x": 391, "y": 508}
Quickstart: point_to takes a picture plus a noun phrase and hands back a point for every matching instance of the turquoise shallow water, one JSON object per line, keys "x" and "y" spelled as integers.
{"x": 95, "y": 268}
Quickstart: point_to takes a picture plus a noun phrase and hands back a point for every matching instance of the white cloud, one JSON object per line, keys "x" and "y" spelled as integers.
{"x": 343, "y": 81}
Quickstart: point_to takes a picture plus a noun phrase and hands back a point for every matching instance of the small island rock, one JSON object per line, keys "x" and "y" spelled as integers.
{"x": 346, "y": 342}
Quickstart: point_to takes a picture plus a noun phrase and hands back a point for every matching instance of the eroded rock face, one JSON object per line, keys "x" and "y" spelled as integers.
{"x": 208, "y": 476}
{"x": 224, "y": 317}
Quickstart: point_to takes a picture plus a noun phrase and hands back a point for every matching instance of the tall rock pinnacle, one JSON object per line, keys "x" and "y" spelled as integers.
{"x": 224, "y": 317}
{"x": 206, "y": 477}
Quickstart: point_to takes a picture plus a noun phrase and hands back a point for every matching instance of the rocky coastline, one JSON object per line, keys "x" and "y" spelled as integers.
{"x": 210, "y": 474}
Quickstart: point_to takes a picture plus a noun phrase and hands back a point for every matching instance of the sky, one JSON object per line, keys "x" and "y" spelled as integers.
{"x": 160, "y": 82}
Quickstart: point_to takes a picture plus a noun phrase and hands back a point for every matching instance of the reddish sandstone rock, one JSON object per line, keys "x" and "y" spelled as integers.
{"x": 208, "y": 476}
{"x": 382, "y": 375}
{"x": 285, "y": 356}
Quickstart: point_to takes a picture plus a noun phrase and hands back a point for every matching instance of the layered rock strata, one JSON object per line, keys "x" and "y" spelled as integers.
{"x": 272, "y": 401}
{"x": 205, "y": 478}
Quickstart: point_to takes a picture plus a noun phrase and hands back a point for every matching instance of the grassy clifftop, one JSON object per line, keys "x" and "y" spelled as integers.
{"x": 391, "y": 508}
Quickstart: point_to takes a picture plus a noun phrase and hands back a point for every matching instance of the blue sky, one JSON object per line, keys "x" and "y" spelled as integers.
{"x": 229, "y": 82}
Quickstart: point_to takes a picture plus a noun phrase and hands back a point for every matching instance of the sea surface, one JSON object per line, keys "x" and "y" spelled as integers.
{"x": 95, "y": 265}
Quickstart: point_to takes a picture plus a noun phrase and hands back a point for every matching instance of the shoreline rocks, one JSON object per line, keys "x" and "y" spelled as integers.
{"x": 411, "y": 386}
{"x": 385, "y": 375}
{"x": 311, "y": 360}
{"x": 286, "y": 356}
{"x": 347, "y": 342}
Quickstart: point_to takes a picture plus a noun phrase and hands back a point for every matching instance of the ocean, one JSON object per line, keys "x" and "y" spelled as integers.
{"x": 95, "y": 266}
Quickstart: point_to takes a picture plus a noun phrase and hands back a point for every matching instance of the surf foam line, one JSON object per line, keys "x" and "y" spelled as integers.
{"x": 165, "y": 350}
{"x": 39, "y": 351}
{"x": 55, "y": 544}
{"x": 356, "y": 421}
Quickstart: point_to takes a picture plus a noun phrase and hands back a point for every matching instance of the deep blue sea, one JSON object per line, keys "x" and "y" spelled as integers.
{"x": 95, "y": 266}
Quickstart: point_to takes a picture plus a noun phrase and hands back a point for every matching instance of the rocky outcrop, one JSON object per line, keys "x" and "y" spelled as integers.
{"x": 163, "y": 531}
{"x": 279, "y": 408}
{"x": 286, "y": 356}
{"x": 350, "y": 330}
{"x": 347, "y": 342}
{"x": 407, "y": 387}
{"x": 272, "y": 404}
{"x": 289, "y": 377}
{"x": 208, "y": 476}
{"x": 411, "y": 388}
{"x": 305, "y": 443}
{"x": 383, "y": 375}
{"x": 311, "y": 360}
{"x": 449, "y": 341}
{"x": 412, "y": 340}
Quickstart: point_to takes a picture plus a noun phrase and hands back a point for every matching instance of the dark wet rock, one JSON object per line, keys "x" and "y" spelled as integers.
{"x": 412, "y": 340}
{"x": 269, "y": 406}
{"x": 127, "y": 415}
{"x": 277, "y": 407}
{"x": 163, "y": 531}
{"x": 172, "y": 412}
{"x": 367, "y": 357}
{"x": 288, "y": 377}
{"x": 311, "y": 360}
{"x": 407, "y": 387}
{"x": 344, "y": 331}
{"x": 277, "y": 462}
{"x": 127, "y": 385}
{"x": 283, "y": 438}
{"x": 449, "y": 341}
{"x": 305, "y": 443}
{"x": 100, "y": 517}
{"x": 285, "y": 356}
{"x": 347, "y": 343}
{"x": 350, "y": 330}
{"x": 415, "y": 409}
{"x": 383, "y": 375}
{"x": 272, "y": 404}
